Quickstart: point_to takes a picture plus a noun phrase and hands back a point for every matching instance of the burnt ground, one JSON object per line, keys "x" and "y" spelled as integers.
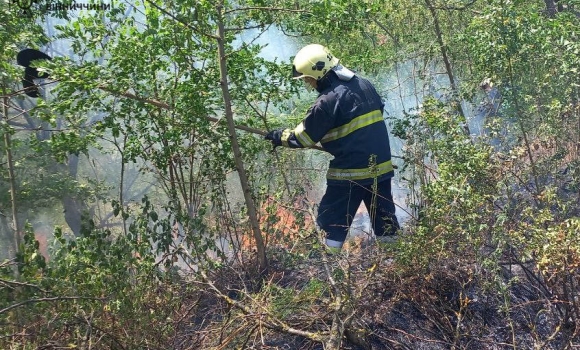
{"x": 450, "y": 306}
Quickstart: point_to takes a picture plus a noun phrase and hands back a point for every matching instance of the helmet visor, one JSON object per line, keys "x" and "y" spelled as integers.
{"x": 296, "y": 74}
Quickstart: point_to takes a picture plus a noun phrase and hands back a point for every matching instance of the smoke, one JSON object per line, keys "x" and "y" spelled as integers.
{"x": 276, "y": 46}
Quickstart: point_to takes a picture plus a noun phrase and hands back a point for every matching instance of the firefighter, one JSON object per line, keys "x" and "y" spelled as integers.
{"x": 347, "y": 120}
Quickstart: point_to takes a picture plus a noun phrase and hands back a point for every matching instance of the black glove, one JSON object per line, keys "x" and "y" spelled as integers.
{"x": 275, "y": 136}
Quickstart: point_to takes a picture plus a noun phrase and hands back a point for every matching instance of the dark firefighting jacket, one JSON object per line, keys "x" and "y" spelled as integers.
{"x": 347, "y": 120}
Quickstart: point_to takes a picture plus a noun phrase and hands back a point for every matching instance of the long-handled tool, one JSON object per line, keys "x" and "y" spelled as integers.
{"x": 164, "y": 105}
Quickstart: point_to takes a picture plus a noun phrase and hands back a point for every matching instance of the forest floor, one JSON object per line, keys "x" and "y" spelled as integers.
{"x": 384, "y": 306}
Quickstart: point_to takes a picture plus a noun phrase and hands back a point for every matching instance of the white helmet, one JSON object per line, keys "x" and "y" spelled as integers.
{"x": 316, "y": 61}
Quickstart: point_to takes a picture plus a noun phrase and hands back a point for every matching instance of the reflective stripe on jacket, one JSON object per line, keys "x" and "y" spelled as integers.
{"x": 347, "y": 120}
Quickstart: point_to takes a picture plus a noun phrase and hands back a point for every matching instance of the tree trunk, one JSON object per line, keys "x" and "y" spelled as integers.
{"x": 11, "y": 176}
{"x": 448, "y": 67}
{"x": 73, "y": 207}
{"x": 7, "y": 249}
{"x": 252, "y": 212}
{"x": 73, "y": 210}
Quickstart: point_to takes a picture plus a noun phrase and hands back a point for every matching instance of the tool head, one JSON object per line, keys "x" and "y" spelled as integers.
{"x": 25, "y": 58}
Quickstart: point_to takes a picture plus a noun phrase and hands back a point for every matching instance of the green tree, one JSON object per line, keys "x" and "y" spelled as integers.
{"x": 16, "y": 31}
{"x": 178, "y": 77}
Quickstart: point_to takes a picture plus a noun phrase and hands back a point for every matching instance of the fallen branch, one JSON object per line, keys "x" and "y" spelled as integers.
{"x": 270, "y": 322}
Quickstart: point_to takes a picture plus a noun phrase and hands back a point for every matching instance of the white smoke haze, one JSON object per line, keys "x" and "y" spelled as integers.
{"x": 402, "y": 91}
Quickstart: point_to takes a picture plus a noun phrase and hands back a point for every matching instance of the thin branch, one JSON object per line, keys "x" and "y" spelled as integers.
{"x": 21, "y": 125}
{"x": 21, "y": 284}
{"x": 41, "y": 300}
{"x": 99, "y": 329}
{"x": 386, "y": 30}
{"x": 30, "y": 88}
{"x": 239, "y": 29}
{"x": 7, "y": 262}
{"x": 181, "y": 21}
{"x": 291, "y": 35}
{"x": 259, "y": 8}
{"x": 455, "y": 8}
{"x": 245, "y": 45}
